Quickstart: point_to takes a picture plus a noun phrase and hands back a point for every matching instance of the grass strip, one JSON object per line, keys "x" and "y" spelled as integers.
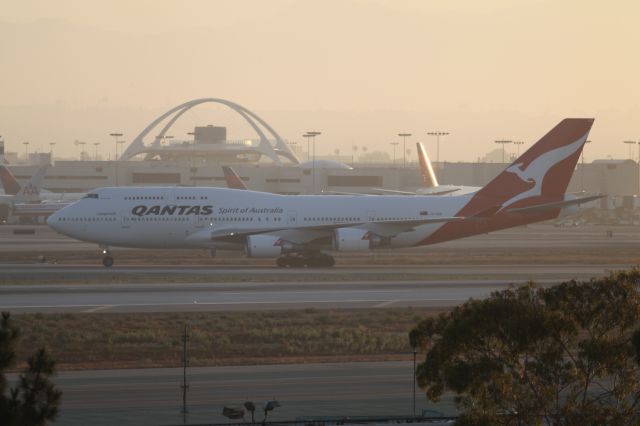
{"x": 144, "y": 340}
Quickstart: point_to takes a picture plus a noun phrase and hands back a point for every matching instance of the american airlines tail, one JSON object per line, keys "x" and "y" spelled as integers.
{"x": 429, "y": 179}
{"x": 31, "y": 191}
{"x": 531, "y": 189}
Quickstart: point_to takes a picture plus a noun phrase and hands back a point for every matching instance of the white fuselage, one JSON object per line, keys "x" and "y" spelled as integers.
{"x": 175, "y": 217}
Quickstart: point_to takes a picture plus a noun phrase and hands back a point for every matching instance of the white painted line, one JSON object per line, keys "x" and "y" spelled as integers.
{"x": 383, "y": 304}
{"x": 99, "y": 308}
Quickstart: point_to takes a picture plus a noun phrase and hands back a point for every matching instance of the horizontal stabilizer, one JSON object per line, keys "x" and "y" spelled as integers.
{"x": 552, "y": 206}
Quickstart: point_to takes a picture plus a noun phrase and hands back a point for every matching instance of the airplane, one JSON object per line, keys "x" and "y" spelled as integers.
{"x": 14, "y": 193}
{"x": 298, "y": 230}
{"x": 11, "y": 187}
{"x": 430, "y": 185}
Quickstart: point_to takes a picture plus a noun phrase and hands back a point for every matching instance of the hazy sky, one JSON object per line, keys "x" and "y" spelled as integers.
{"x": 359, "y": 71}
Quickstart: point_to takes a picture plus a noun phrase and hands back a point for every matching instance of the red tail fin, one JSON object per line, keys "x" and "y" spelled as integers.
{"x": 233, "y": 180}
{"x": 9, "y": 182}
{"x": 541, "y": 174}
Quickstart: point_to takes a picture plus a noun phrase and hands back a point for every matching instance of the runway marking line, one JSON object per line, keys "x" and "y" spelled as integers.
{"x": 383, "y": 304}
{"x": 99, "y": 308}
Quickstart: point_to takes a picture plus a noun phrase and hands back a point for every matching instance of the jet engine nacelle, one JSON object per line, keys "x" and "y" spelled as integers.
{"x": 569, "y": 210}
{"x": 351, "y": 239}
{"x": 263, "y": 246}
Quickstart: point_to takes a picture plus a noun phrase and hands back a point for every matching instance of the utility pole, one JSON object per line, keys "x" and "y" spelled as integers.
{"x": 404, "y": 137}
{"x": 185, "y": 361}
{"x": 95, "y": 155}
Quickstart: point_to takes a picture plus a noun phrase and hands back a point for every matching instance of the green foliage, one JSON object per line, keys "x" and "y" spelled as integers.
{"x": 35, "y": 400}
{"x": 566, "y": 354}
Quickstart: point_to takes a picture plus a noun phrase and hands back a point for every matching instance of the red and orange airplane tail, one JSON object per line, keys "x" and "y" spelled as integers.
{"x": 541, "y": 174}
{"x": 233, "y": 180}
{"x": 9, "y": 182}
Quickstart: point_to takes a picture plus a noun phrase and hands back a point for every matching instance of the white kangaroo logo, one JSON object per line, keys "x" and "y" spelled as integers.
{"x": 538, "y": 168}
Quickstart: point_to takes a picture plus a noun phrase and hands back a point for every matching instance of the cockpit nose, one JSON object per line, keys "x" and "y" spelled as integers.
{"x": 54, "y": 221}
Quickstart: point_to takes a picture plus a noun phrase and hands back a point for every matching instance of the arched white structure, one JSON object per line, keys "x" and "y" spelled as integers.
{"x": 280, "y": 149}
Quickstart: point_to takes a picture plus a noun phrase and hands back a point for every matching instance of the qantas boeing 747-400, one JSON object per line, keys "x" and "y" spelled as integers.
{"x": 299, "y": 230}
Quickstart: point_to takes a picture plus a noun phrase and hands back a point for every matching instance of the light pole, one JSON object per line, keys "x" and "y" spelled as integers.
{"x": 517, "y": 144}
{"x": 313, "y": 135}
{"x": 26, "y": 151}
{"x": 437, "y": 134}
{"x": 95, "y": 156}
{"x": 634, "y": 142}
{"x": 503, "y": 143}
{"x": 395, "y": 144}
{"x": 629, "y": 143}
{"x": 404, "y": 137}
{"x": 308, "y": 137}
{"x": 51, "y": 145}
{"x": 116, "y": 135}
{"x": 82, "y": 144}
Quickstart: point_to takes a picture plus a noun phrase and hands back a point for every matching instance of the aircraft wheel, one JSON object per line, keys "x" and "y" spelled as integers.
{"x": 282, "y": 262}
{"x": 107, "y": 261}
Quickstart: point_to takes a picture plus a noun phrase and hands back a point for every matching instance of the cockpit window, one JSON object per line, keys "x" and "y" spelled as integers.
{"x": 91, "y": 196}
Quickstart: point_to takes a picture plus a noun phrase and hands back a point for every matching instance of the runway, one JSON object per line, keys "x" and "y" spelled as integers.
{"x": 153, "y": 396}
{"x": 258, "y": 293}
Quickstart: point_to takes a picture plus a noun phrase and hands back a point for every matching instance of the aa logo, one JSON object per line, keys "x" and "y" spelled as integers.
{"x": 30, "y": 189}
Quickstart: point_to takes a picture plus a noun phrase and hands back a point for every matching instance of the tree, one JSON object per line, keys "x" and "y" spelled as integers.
{"x": 35, "y": 400}
{"x": 567, "y": 354}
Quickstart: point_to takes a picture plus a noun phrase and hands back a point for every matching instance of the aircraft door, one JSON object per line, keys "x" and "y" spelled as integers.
{"x": 292, "y": 218}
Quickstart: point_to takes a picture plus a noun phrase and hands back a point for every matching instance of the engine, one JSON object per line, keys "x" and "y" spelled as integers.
{"x": 264, "y": 246}
{"x": 351, "y": 239}
{"x": 569, "y": 210}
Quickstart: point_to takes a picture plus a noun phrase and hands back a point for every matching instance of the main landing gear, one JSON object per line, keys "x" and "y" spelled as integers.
{"x": 107, "y": 259}
{"x": 305, "y": 260}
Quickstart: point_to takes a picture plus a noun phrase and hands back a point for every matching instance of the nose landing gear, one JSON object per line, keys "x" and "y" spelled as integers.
{"x": 107, "y": 259}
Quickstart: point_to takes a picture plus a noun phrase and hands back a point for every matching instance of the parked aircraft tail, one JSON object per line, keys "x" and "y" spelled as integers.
{"x": 9, "y": 182}
{"x": 31, "y": 191}
{"x": 429, "y": 179}
{"x": 233, "y": 180}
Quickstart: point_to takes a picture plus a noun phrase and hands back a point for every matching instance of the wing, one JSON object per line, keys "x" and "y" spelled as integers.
{"x": 310, "y": 232}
